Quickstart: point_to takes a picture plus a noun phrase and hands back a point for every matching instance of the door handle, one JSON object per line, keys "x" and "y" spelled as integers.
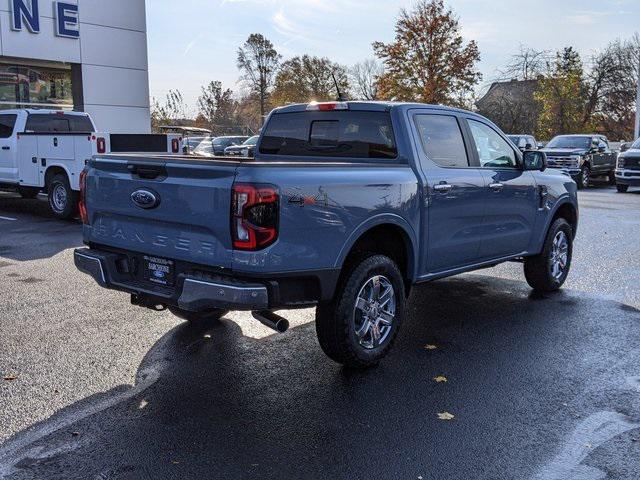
{"x": 6, "y": 148}
{"x": 496, "y": 187}
{"x": 443, "y": 187}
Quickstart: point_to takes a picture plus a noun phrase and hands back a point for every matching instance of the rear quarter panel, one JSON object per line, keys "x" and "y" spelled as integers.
{"x": 324, "y": 208}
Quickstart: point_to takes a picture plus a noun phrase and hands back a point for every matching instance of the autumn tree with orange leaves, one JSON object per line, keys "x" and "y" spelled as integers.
{"x": 428, "y": 60}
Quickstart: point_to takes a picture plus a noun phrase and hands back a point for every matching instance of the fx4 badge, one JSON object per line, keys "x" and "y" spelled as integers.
{"x": 145, "y": 199}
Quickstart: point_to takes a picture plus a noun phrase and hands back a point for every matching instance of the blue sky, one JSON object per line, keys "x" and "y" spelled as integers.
{"x": 192, "y": 42}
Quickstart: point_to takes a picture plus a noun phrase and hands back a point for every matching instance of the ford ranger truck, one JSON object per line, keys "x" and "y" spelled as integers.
{"x": 345, "y": 207}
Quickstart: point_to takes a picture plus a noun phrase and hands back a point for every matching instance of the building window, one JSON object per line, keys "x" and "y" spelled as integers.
{"x": 33, "y": 87}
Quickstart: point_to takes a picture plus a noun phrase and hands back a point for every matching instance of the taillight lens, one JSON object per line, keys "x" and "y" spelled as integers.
{"x": 175, "y": 145}
{"x": 101, "y": 145}
{"x": 82, "y": 206}
{"x": 254, "y": 216}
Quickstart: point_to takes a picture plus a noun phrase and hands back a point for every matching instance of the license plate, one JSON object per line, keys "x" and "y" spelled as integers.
{"x": 159, "y": 270}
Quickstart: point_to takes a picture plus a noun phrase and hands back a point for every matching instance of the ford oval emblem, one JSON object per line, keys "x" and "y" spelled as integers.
{"x": 145, "y": 199}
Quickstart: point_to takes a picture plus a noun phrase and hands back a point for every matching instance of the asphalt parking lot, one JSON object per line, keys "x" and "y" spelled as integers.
{"x": 541, "y": 387}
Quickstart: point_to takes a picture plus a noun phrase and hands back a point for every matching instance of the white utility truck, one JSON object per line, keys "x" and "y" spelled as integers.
{"x": 45, "y": 151}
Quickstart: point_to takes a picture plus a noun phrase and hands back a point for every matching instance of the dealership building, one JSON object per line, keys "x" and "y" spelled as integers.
{"x": 86, "y": 55}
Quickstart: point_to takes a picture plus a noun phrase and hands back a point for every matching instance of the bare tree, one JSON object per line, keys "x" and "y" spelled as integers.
{"x": 258, "y": 61}
{"x": 218, "y": 108}
{"x": 364, "y": 79}
{"x": 173, "y": 108}
{"x": 527, "y": 64}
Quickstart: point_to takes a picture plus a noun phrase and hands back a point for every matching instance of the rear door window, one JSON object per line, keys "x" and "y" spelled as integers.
{"x": 341, "y": 134}
{"x": 7, "y": 123}
{"x": 47, "y": 124}
{"x": 80, "y": 123}
{"x": 442, "y": 140}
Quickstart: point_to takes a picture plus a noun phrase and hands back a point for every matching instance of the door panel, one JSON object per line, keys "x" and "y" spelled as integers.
{"x": 510, "y": 213}
{"x": 455, "y": 214}
{"x": 28, "y": 160}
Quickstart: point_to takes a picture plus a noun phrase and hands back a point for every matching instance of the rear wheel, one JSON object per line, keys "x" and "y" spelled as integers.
{"x": 358, "y": 327}
{"x": 622, "y": 188}
{"x": 63, "y": 201}
{"x": 548, "y": 271}
{"x": 212, "y": 316}
{"x": 28, "y": 192}
{"x": 584, "y": 177}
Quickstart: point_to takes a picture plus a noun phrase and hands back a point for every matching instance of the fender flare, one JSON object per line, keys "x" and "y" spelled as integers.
{"x": 562, "y": 201}
{"x": 73, "y": 181}
{"x": 376, "y": 221}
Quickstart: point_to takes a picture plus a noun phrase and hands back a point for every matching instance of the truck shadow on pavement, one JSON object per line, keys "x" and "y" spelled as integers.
{"x": 212, "y": 403}
{"x": 35, "y": 233}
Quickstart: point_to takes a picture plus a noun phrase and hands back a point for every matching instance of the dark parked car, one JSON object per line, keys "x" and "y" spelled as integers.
{"x": 628, "y": 170}
{"x": 524, "y": 142}
{"x": 220, "y": 143}
{"x": 247, "y": 149}
{"x": 582, "y": 157}
{"x": 345, "y": 207}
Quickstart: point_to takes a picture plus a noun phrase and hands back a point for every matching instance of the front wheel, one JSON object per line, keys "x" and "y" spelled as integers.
{"x": 358, "y": 327}
{"x": 63, "y": 201}
{"x": 585, "y": 177}
{"x": 622, "y": 188}
{"x": 548, "y": 271}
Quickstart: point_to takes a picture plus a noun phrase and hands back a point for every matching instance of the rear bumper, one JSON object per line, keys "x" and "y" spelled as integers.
{"x": 628, "y": 177}
{"x": 197, "y": 290}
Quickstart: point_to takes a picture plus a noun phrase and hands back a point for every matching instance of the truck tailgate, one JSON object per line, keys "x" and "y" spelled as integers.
{"x": 188, "y": 220}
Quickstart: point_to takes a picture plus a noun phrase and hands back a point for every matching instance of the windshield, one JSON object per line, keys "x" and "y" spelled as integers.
{"x": 514, "y": 138}
{"x": 570, "y": 142}
{"x": 252, "y": 141}
{"x": 636, "y": 144}
{"x": 204, "y": 148}
{"x": 226, "y": 141}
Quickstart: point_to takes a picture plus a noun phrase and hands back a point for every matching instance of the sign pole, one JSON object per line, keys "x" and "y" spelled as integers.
{"x": 637, "y": 130}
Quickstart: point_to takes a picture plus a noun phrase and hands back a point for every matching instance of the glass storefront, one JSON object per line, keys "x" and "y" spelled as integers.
{"x": 34, "y": 87}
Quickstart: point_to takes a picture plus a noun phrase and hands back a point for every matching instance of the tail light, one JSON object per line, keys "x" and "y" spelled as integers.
{"x": 101, "y": 144}
{"x": 254, "y": 216}
{"x": 82, "y": 206}
{"x": 175, "y": 145}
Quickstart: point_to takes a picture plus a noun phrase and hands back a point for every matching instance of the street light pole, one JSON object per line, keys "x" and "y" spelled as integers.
{"x": 637, "y": 130}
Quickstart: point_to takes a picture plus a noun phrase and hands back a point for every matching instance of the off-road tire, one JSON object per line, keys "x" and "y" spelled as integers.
{"x": 537, "y": 269}
{"x": 335, "y": 322}
{"x": 68, "y": 208}
{"x": 622, "y": 188}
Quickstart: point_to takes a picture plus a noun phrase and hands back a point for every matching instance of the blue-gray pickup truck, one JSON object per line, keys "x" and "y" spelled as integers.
{"x": 345, "y": 207}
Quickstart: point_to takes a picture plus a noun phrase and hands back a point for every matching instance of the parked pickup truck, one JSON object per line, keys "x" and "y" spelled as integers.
{"x": 628, "y": 169}
{"x": 345, "y": 207}
{"x": 583, "y": 157}
{"x": 45, "y": 150}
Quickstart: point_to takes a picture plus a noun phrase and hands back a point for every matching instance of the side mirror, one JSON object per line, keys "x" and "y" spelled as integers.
{"x": 535, "y": 160}
{"x": 528, "y": 146}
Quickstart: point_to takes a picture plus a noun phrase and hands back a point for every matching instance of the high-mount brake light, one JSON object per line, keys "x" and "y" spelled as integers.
{"x": 327, "y": 106}
{"x": 254, "y": 216}
{"x": 82, "y": 206}
{"x": 101, "y": 145}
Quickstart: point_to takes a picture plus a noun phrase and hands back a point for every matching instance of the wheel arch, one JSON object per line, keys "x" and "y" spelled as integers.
{"x": 55, "y": 169}
{"x": 567, "y": 210}
{"x": 386, "y": 234}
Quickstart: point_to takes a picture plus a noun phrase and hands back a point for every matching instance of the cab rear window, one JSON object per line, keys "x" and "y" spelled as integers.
{"x": 338, "y": 134}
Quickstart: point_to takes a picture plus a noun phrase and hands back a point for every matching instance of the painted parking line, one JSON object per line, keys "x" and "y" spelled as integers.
{"x": 9, "y": 219}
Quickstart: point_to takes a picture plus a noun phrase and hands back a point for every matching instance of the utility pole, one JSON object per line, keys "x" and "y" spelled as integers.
{"x": 637, "y": 130}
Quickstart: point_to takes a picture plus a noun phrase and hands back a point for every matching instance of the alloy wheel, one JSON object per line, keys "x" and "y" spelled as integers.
{"x": 374, "y": 312}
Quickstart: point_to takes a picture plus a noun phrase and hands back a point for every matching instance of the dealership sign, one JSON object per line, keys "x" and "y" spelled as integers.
{"x": 24, "y": 13}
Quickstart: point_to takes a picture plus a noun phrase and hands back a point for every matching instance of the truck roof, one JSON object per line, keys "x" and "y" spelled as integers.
{"x": 45, "y": 111}
{"x": 377, "y": 105}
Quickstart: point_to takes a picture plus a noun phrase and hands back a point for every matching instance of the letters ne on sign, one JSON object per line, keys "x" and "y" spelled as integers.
{"x": 25, "y": 13}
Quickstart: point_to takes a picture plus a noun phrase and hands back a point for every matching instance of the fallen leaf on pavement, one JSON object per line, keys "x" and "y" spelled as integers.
{"x": 10, "y": 378}
{"x": 430, "y": 347}
{"x": 446, "y": 416}
{"x": 440, "y": 378}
